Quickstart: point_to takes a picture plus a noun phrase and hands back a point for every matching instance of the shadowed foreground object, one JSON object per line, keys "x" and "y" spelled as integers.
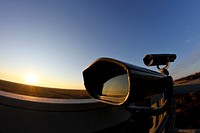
{"x": 22, "y": 114}
{"x": 119, "y": 83}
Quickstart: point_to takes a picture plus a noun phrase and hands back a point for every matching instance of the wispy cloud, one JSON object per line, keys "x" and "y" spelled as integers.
{"x": 187, "y": 41}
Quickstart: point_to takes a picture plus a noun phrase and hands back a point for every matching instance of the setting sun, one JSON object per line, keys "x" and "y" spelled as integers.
{"x": 31, "y": 79}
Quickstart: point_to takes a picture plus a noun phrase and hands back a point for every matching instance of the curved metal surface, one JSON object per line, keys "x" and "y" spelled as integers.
{"x": 47, "y": 104}
{"x": 21, "y": 113}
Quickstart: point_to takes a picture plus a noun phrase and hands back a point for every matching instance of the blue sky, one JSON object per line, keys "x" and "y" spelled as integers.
{"x": 57, "y": 39}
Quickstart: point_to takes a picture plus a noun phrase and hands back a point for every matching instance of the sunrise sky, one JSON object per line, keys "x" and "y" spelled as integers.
{"x": 50, "y": 42}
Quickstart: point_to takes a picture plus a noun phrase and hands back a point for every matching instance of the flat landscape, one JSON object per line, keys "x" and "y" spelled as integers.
{"x": 42, "y": 91}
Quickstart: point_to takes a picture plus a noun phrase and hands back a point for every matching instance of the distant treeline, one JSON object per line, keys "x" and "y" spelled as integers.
{"x": 190, "y": 77}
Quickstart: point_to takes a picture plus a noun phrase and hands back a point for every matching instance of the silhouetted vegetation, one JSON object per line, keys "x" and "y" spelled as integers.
{"x": 42, "y": 91}
{"x": 188, "y": 110}
{"x": 188, "y": 105}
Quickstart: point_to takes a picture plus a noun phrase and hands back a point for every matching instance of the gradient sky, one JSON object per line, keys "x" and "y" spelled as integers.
{"x": 57, "y": 39}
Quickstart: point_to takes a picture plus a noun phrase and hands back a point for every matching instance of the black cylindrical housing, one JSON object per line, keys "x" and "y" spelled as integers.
{"x": 141, "y": 82}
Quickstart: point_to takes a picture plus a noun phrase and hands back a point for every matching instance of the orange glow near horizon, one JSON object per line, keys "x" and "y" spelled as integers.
{"x": 35, "y": 78}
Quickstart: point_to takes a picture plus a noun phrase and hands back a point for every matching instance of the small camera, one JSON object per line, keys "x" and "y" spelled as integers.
{"x": 158, "y": 59}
